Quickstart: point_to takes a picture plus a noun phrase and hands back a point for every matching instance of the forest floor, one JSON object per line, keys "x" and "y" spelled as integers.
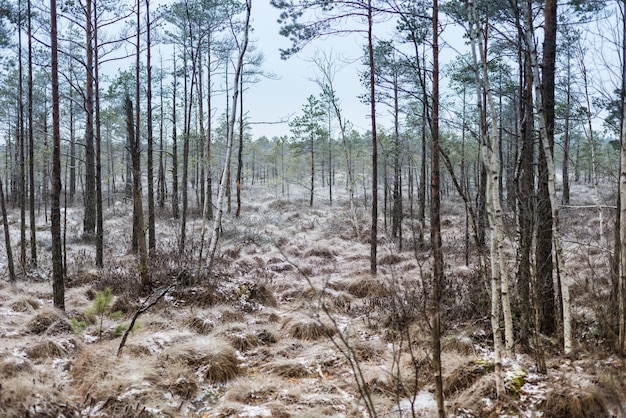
{"x": 292, "y": 324}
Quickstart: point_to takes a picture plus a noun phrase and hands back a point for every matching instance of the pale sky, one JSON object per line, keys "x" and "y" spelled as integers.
{"x": 274, "y": 100}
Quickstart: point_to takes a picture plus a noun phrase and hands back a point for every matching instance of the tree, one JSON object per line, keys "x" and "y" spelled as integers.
{"x": 307, "y": 130}
{"x": 7, "y": 235}
{"x": 435, "y": 223}
{"x": 306, "y": 20}
{"x": 243, "y": 45}
{"x": 58, "y": 286}
{"x": 547, "y": 148}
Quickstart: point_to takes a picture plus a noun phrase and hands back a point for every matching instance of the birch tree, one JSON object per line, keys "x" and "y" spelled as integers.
{"x": 242, "y": 46}
{"x": 529, "y": 38}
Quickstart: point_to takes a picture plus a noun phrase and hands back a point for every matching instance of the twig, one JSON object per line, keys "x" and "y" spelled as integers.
{"x": 142, "y": 309}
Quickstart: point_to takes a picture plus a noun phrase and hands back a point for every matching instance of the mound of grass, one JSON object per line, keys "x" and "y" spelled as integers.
{"x": 575, "y": 403}
{"x": 200, "y": 324}
{"x": 42, "y": 320}
{"x": 290, "y": 369}
{"x": 309, "y": 330}
{"x": 13, "y": 366}
{"x": 46, "y": 349}
{"x": 465, "y": 376}
{"x": 214, "y": 359}
{"x": 25, "y": 305}
{"x": 321, "y": 252}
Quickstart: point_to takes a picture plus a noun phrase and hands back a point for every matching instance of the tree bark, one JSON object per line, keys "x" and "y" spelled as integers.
{"x": 229, "y": 141}
{"x": 58, "y": 286}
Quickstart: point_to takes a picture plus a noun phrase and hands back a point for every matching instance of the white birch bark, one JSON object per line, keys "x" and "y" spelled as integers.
{"x": 490, "y": 155}
{"x": 556, "y": 234}
{"x": 229, "y": 142}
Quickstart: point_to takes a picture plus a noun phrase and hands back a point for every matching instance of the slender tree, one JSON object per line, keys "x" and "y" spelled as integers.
{"x": 58, "y": 286}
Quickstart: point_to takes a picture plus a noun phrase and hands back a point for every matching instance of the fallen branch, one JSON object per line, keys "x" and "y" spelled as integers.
{"x": 142, "y": 309}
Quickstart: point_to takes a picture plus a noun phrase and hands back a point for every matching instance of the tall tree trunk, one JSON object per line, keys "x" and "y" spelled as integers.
{"x": 150, "y": 139}
{"x": 138, "y": 223}
{"x": 21, "y": 141}
{"x": 547, "y": 152}
{"x": 89, "y": 220}
{"x": 229, "y": 141}
{"x": 175, "y": 207}
{"x": 7, "y": 235}
{"x": 621, "y": 283}
{"x": 240, "y": 150}
{"x": 372, "y": 98}
{"x": 490, "y": 160}
{"x": 98, "y": 141}
{"x": 435, "y": 223}
{"x": 31, "y": 144}
{"x": 58, "y": 287}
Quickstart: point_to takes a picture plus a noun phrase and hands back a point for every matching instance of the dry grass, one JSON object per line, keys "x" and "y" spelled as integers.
{"x": 42, "y": 320}
{"x": 290, "y": 369}
{"x": 390, "y": 259}
{"x": 200, "y": 324}
{"x": 240, "y": 338}
{"x": 308, "y": 329}
{"x": 48, "y": 349}
{"x": 26, "y": 304}
{"x": 13, "y": 366}
{"x": 364, "y": 287}
{"x": 575, "y": 403}
{"x": 463, "y": 377}
{"x": 213, "y": 358}
{"x": 473, "y": 398}
{"x": 26, "y": 395}
{"x": 458, "y": 343}
{"x": 321, "y": 252}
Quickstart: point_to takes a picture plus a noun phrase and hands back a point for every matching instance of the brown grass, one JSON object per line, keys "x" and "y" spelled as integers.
{"x": 42, "y": 320}
{"x": 60, "y": 327}
{"x": 290, "y": 369}
{"x": 472, "y": 399}
{"x": 12, "y": 366}
{"x": 575, "y": 403}
{"x": 214, "y": 358}
{"x": 465, "y": 376}
{"x": 458, "y": 343}
{"x": 26, "y": 304}
{"x": 321, "y": 252}
{"x": 309, "y": 329}
{"x": 46, "y": 349}
{"x": 200, "y": 324}
{"x": 363, "y": 287}
{"x": 390, "y": 259}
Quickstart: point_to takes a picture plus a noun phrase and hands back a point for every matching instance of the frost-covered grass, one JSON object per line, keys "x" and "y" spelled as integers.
{"x": 290, "y": 323}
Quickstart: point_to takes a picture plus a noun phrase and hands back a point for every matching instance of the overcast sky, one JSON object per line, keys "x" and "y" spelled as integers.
{"x": 275, "y": 100}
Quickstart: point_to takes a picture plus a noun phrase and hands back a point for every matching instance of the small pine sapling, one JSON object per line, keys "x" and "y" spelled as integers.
{"x": 101, "y": 308}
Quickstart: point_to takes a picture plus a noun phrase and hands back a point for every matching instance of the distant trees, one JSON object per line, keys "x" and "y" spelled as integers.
{"x": 308, "y": 132}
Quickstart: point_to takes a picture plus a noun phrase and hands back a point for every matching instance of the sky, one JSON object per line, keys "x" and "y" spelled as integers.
{"x": 281, "y": 98}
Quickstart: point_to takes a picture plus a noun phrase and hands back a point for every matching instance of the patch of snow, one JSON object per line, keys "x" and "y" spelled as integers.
{"x": 255, "y": 411}
{"x": 424, "y": 404}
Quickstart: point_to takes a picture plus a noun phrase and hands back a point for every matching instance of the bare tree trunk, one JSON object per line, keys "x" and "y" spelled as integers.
{"x": 435, "y": 223}
{"x": 89, "y": 220}
{"x": 58, "y": 287}
{"x": 621, "y": 291}
{"x": 31, "y": 144}
{"x": 372, "y": 98}
{"x": 554, "y": 209}
{"x": 240, "y": 150}
{"x": 7, "y": 235}
{"x": 175, "y": 209}
{"x": 21, "y": 139}
{"x": 98, "y": 180}
{"x": 229, "y": 142}
{"x": 491, "y": 161}
{"x": 150, "y": 139}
